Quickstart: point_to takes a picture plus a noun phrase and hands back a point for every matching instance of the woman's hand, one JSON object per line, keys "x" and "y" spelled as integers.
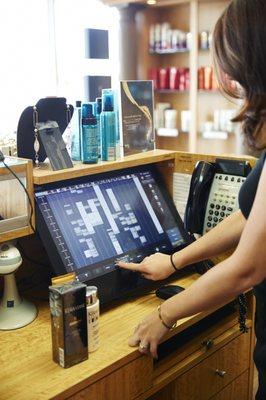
{"x": 155, "y": 267}
{"x": 149, "y": 334}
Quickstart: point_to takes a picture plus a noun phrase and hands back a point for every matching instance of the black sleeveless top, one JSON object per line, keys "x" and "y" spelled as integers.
{"x": 246, "y": 198}
{"x": 249, "y": 188}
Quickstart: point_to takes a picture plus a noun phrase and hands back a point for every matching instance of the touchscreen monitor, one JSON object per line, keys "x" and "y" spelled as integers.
{"x": 87, "y": 224}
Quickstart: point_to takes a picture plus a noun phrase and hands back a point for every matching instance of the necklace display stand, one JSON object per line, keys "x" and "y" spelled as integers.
{"x": 49, "y": 109}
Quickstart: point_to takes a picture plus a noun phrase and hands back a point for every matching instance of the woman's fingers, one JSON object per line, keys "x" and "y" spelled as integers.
{"x": 142, "y": 267}
{"x": 144, "y": 347}
{"x": 131, "y": 266}
{"x": 153, "y": 350}
{"x": 134, "y": 339}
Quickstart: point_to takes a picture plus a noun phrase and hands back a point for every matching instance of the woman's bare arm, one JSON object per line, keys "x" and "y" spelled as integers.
{"x": 244, "y": 269}
{"x": 225, "y": 236}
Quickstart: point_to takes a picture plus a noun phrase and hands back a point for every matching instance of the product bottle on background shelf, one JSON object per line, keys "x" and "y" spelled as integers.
{"x": 163, "y": 78}
{"x": 159, "y": 115}
{"x": 204, "y": 40}
{"x": 165, "y": 29}
{"x": 89, "y": 137}
{"x": 93, "y": 313}
{"x": 158, "y": 44}
{"x": 170, "y": 117}
{"x": 76, "y": 133}
{"x": 98, "y": 110}
{"x": 108, "y": 126}
{"x": 182, "y": 79}
{"x": 201, "y": 78}
{"x": 174, "y": 78}
{"x": 152, "y": 39}
{"x": 208, "y": 78}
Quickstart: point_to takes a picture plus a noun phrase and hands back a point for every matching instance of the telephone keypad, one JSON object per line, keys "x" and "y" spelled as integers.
{"x": 223, "y": 199}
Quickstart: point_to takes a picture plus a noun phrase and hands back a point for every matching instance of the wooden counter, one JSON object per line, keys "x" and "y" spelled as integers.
{"x": 192, "y": 371}
{"x": 114, "y": 372}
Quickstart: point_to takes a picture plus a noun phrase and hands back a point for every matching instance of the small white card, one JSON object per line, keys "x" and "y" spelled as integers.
{"x": 181, "y": 186}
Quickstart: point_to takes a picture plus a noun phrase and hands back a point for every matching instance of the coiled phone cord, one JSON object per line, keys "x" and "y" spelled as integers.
{"x": 242, "y": 308}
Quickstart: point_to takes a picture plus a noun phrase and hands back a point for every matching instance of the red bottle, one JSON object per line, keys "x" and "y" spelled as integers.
{"x": 153, "y": 75}
{"x": 201, "y": 78}
{"x": 208, "y": 78}
{"x": 187, "y": 78}
{"x": 164, "y": 78}
{"x": 182, "y": 79}
{"x": 174, "y": 78}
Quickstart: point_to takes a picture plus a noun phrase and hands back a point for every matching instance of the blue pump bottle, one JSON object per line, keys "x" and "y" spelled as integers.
{"x": 98, "y": 110}
{"x": 108, "y": 126}
{"x": 89, "y": 142}
{"x": 76, "y": 133}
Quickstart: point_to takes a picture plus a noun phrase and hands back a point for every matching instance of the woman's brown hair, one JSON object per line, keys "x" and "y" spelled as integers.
{"x": 239, "y": 49}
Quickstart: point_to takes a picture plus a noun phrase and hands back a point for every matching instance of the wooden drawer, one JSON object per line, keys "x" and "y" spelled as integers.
{"x": 237, "y": 390}
{"x": 204, "y": 381}
{"x": 124, "y": 384}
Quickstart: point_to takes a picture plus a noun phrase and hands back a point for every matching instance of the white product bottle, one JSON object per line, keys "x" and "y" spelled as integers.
{"x": 93, "y": 313}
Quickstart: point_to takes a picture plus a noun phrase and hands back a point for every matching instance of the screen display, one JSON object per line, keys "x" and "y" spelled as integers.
{"x": 95, "y": 222}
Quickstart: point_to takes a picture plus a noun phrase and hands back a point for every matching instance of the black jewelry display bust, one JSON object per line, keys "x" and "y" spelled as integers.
{"x": 49, "y": 109}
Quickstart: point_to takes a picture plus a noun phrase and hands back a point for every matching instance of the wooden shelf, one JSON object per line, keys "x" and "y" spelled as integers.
{"x": 189, "y": 16}
{"x": 169, "y": 52}
{"x": 179, "y": 51}
{"x": 170, "y": 91}
{"x": 15, "y": 212}
{"x": 44, "y": 174}
{"x": 209, "y": 91}
{"x": 175, "y": 91}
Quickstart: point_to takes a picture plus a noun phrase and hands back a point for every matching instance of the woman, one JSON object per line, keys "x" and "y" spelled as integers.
{"x": 239, "y": 43}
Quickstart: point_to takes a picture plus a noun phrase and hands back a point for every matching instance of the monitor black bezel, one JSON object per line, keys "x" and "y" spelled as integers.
{"x": 115, "y": 284}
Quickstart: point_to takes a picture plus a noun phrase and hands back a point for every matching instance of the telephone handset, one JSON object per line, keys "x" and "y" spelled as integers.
{"x": 213, "y": 194}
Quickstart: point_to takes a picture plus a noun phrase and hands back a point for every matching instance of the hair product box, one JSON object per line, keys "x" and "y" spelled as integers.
{"x": 69, "y": 323}
{"x": 137, "y": 119}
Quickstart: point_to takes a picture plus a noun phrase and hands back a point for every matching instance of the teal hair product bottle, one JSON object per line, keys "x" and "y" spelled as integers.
{"x": 116, "y": 110}
{"x": 98, "y": 110}
{"x": 93, "y": 103}
{"x": 89, "y": 137}
{"x": 108, "y": 126}
{"x": 76, "y": 133}
{"x": 85, "y": 110}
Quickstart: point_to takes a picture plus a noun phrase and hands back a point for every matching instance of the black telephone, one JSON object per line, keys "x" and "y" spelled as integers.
{"x": 213, "y": 196}
{"x": 213, "y": 193}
